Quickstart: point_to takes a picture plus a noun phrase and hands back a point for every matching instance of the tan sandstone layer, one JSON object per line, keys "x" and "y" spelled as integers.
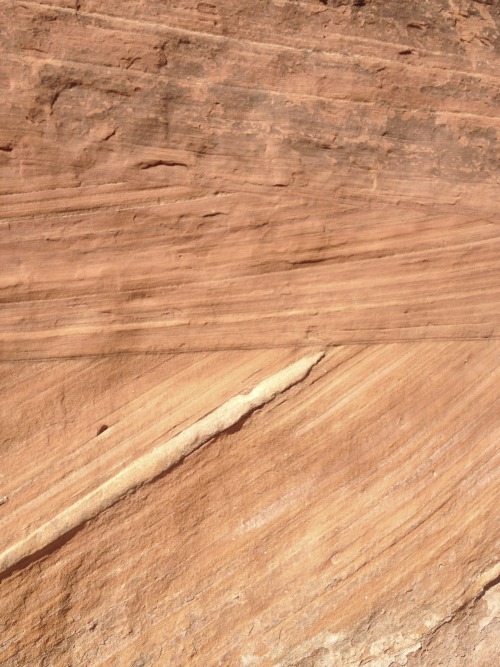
{"x": 249, "y": 333}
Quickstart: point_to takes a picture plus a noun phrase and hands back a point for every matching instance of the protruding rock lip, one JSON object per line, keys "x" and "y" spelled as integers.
{"x": 156, "y": 462}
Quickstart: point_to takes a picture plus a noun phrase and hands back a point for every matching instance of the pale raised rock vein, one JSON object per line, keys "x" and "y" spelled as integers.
{"x": 157, "y": 461}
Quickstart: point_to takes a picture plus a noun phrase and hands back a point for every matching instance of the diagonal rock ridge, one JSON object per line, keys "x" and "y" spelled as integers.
{"x": 156, "y": 462}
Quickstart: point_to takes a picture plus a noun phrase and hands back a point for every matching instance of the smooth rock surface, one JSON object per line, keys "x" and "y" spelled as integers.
{"x": 194, "y": 197}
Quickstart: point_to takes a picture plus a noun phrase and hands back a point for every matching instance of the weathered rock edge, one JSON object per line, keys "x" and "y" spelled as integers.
{"x": 147, "y": 467}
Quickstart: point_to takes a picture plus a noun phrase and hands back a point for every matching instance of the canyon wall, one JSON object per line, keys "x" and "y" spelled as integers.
{"x": 249, "y": 333}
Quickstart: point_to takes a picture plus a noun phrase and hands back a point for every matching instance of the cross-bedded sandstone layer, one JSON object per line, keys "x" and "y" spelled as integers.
{"x": 190, "y": 175}
{"x": 195, "y": 197}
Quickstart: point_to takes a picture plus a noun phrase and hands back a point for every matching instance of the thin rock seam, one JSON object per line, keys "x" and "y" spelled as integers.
{"x": 157, "y": 461}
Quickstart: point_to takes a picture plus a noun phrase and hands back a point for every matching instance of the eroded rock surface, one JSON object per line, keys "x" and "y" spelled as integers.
{"x": 239, "y": 174}
{"x": 194, "y": 196}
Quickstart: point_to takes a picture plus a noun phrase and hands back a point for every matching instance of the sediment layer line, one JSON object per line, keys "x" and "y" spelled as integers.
{"x": 157, "y": 461}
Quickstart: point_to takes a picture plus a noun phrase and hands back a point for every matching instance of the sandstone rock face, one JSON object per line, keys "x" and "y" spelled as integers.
{"x": 249, "y": 333}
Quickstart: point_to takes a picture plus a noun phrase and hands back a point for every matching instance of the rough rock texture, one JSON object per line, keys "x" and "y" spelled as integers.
{"x": 202, "y": 203}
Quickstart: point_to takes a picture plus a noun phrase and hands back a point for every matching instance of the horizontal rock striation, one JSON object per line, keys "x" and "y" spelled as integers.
{"x": 249, "y": 333}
